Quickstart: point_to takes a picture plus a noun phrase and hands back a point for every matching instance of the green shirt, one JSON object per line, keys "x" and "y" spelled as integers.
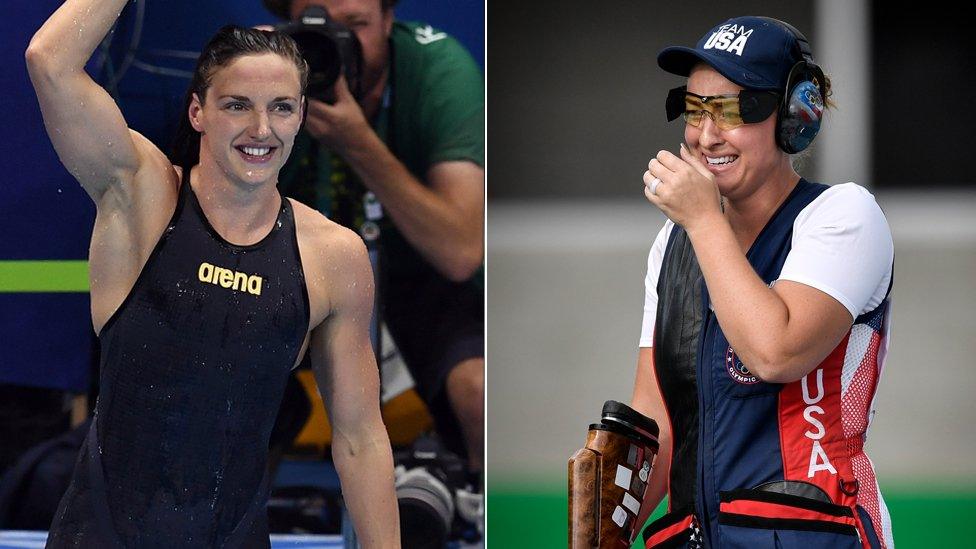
{"x": 435, "y": 113}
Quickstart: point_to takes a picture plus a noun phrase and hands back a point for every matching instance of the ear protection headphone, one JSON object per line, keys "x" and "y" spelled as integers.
{"x": 801, "y": 110}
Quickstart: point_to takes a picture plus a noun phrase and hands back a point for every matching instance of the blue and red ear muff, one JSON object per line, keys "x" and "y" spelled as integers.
{"x": 801, "y": 112}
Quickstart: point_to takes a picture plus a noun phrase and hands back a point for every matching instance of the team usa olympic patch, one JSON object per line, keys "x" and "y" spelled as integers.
{"x": 737, "y": 370}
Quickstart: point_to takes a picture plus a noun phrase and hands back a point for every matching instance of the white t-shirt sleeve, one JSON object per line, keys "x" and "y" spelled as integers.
{"x": 654, "y": 261}
{"x": 842, "y": 246}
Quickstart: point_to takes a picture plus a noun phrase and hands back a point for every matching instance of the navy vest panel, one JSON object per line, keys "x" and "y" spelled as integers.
{"x": 194, "y": 365}
{"x": 718, "y": 409}
{"x": 736, "y": 430}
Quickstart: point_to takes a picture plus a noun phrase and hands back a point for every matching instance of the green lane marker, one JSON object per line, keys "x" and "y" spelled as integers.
{"x": 43, "y": 276}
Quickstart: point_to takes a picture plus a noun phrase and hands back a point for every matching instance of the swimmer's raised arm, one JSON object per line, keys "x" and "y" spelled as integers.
{"x": 83, "y": 121}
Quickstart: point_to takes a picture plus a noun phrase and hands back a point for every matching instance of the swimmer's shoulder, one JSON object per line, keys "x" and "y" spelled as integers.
{"x": 155, "y": 179}
{"x": 133, "y": 213}
{"x": 325, "y": 240}
{"x": 333, "y": 257}
{"x": 154, "y": 163}
{"x": 319, "y": 230}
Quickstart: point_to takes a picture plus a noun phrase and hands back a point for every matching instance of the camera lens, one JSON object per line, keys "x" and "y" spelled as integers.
{"x": 426, "y": 509}
{"x": 421, "y": 524}
{"x": 324, "y": 64}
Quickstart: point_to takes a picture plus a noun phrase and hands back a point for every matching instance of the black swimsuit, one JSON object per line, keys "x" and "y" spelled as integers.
{"x": 193, "y": 368}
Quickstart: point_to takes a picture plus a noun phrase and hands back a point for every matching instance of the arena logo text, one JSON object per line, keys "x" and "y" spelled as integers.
{"x": 227, "y": 278}
{"x": 730, "y": 38}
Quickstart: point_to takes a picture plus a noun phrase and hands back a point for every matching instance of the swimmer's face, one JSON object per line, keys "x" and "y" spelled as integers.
{"x": 249, "y": 117}
{"x": 371, "y": 23}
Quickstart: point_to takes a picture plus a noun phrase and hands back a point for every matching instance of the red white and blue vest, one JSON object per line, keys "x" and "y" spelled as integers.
{"x": 758, "y": 464}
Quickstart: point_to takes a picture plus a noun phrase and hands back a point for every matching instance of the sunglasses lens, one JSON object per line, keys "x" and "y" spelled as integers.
{"x": 694, "y": 117}
{"x": 756, "y": 106}
{"x": 723, "y": 110}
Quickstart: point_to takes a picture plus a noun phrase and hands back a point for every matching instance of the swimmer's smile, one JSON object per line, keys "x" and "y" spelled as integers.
{"x": 256, "y": 154}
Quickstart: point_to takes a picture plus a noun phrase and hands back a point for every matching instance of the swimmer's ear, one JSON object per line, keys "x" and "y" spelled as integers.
{"x": 194, "y": 113}
{"x": 387, "y": 19}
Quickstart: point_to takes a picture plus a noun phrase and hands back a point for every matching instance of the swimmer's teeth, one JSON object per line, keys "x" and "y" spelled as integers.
{"x": 720, "y": 160}
{"x": 256, "y": 152}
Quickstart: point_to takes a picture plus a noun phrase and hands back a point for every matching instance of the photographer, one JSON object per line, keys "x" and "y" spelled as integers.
{"x": 400, "y": 159}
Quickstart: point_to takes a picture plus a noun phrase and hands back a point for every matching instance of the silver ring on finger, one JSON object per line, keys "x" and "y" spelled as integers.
{"x": 654, "y": 183}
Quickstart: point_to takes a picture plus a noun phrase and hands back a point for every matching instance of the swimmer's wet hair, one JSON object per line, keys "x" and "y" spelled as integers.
{"x": 282, "y": 8}
{"x": 230, "y": 42}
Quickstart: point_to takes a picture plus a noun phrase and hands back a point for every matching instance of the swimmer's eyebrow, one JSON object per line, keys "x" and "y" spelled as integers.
{"x": 248, "y": 100}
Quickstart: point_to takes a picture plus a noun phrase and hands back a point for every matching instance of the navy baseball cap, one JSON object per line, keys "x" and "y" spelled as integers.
{"x": 754, "y": 52}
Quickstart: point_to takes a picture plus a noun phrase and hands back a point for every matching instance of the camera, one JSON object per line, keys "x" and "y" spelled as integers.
{"x": 435, "y": 502}
{"x": 329, "y": 48}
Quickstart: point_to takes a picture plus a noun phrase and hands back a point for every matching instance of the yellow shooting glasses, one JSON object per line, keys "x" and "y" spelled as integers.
{"x": 727, "y": 111}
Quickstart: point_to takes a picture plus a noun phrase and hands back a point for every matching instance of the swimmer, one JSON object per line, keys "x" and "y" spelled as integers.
{"x": 207, "y": 288}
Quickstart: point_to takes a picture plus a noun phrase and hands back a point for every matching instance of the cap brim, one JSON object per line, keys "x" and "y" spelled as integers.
{"x": 680, "y": 60}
